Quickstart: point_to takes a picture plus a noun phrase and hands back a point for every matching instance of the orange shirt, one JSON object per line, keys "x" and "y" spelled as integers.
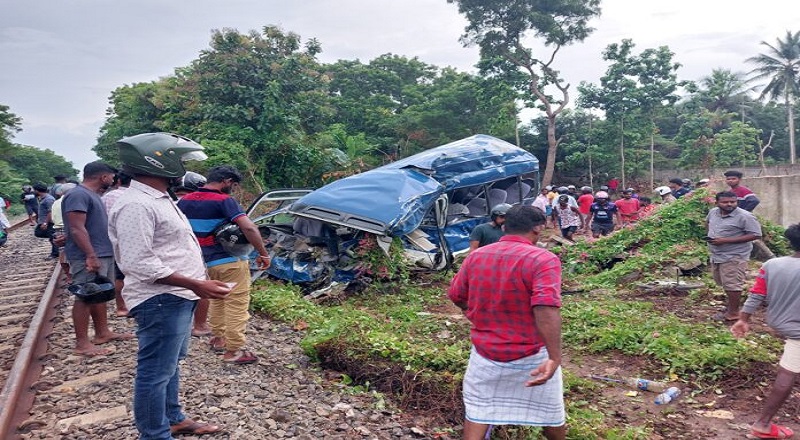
{"x": 628, "y": 209}
{"x": 585, "y": 202}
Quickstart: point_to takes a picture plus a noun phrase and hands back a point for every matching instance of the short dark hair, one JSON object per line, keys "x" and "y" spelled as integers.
{"x": 124, "y": 179}
{"x": 521, "y": 219}
{"x": 40, "y": 187}
{"x": 644, "y": 199}
{"x": 58, "y": 177}
{"x": 677, "y": 180}
{"x": 733, "y": 173}
{"x": 222, "y": 172}
{"x": 96, "y": 168}
{"x": 792, "y": 233}
{"x": 725, "y": 194}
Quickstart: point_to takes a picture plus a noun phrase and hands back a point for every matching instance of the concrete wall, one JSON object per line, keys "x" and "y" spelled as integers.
{"x": 779, "y": 195}
{"x": 697, "y": 174}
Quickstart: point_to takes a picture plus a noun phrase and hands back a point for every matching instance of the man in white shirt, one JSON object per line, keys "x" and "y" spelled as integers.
{"x": 164, "y": 277}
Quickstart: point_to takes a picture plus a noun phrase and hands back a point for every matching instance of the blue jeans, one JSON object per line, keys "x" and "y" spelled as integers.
{"x": 164, "y": 324}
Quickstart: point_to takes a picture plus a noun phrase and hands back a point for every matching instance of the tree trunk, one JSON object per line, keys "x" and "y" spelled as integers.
{"x": 589, "y": 152}
{"x": 622, "y": 150}
{"x": 552, "y": 146}
{"x": 790, "y": 112}
{"x": 652, "y": 153}
{"x": 652, "y": 160}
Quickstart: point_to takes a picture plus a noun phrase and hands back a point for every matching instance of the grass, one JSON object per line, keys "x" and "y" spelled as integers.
{"x": 391, "y": 336}
{"x": 703, "y": 352}
{"x": 376, "y": 330}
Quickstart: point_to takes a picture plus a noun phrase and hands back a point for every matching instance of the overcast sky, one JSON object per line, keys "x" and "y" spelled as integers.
{"x": 60, "y": 60}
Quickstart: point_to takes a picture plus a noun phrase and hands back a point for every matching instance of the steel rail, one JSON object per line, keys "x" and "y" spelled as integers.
{"x": 14, "y": 389}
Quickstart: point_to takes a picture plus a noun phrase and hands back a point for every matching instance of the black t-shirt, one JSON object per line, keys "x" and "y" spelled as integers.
{"x": 486, "y": 233}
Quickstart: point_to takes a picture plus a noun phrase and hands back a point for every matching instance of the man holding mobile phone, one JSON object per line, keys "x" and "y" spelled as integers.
{"x": 208, "y": 208}
{"x": 731, "y": 231}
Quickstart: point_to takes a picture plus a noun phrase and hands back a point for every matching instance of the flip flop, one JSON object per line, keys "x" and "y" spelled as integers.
{"x": 200, "y": 333}
{"x": 721, "y": 317}
{"x": 242, "y": 357}
{"x": 190, "y": 427}
{"x": 217, "y": 344}
{"x": 775, "y": 432}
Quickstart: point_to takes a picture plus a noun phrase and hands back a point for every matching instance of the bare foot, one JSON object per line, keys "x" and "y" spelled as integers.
{"x": 106, "y": 338}
{"x": 93, "y": 350}
{"x": 122, "y": 313}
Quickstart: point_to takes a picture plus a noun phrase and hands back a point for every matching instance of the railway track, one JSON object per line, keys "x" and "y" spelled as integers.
{"x": 52, "y": 393}
{"x": 28, "y": 284}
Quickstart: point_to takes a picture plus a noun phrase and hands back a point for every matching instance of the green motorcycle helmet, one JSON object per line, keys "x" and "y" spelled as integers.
{"x": 158, "y": 154}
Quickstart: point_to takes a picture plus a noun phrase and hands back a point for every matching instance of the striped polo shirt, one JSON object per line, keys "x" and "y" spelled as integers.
{"x": 206, "y": 209}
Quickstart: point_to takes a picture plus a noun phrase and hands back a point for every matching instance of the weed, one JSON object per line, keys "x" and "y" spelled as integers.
{"x": 704, "y": 352}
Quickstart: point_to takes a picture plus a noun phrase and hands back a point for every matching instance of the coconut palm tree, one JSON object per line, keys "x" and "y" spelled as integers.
{"x": 780, "y": 66}
{"x": 724, "y": 90}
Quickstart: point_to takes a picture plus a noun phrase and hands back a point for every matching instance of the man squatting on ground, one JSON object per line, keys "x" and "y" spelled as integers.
{"x": 89, "y": 254}
{"x": 777, "y": 287}
{"x": 730, "y": 232}
{"x": 164, "y": 277}
{"x": 511, "y": 293}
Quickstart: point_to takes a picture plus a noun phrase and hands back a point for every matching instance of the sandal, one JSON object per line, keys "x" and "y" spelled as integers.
{"x": 217, "y": 344}
{"x": 242, "y": 357}
{"x": 775, "y": 432}
{"x": 190, "y": 427}
{"x": 722, "y": 317}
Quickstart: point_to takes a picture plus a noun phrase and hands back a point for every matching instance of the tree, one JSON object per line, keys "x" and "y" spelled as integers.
{"x": 22, "y": 164}
{"x": 696, "y": 135}
{"x": 9, "y": 124}
{"x": 499, "y": 28}
{"x": 725, "y": 90}
{"x": 37, "y": 165}
{"x": 640, "y": 84}
{"x": 738, "y": 145}
{"x": 133, "y": 110}
{"x": 780, "y": 65}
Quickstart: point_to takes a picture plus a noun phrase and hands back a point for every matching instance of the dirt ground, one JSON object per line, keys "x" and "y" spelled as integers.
{"x": 721, "y": 410}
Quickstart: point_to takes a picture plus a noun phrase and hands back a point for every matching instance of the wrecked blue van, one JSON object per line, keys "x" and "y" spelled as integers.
{"x": 431, "y": 201}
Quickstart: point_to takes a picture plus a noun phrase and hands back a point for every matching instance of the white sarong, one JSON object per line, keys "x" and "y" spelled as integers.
{"x": 495, "y": 392}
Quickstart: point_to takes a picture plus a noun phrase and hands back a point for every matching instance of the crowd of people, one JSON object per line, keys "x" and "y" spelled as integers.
{"x": 148, "y": 232}
{"x": 151, "y": 230}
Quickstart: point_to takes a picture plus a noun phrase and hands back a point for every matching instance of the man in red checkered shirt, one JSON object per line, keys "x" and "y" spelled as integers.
{"x": 511, "y": 293}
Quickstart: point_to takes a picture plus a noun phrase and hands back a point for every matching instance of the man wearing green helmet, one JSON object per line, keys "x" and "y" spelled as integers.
{"x": 164, "y": 277}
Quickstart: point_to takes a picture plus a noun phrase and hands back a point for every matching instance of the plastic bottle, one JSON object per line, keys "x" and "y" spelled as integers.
{"x": 646, "y": 385}
{"x": 667, "y": 396}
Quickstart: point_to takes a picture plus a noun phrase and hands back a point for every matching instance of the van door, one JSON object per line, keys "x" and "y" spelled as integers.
{"x": 274, "y": 200}
{"x": 269, "y": 211}
{"x": 440, "y": 208}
